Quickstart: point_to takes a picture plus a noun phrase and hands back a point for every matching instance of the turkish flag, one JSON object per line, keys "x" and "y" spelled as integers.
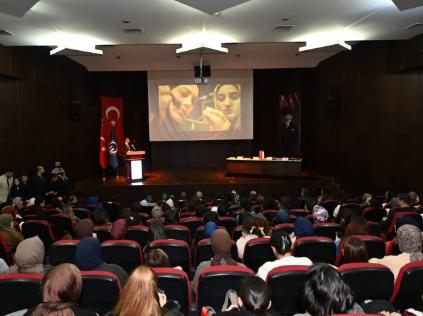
{"x": 111, "y": 115}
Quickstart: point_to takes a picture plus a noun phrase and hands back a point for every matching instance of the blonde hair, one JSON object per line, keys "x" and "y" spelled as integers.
{"x": 140, "y": 295}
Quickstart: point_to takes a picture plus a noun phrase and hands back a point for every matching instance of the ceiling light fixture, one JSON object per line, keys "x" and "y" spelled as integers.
{"x": 314, "y": 45}
{"x": 205, "y": 42}
{"x": 66, "y": 49}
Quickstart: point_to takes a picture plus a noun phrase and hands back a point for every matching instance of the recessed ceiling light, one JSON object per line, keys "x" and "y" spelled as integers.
{"x": 282, "y": 28}
{"x": 285, "y": 19}
{"x": 139, "y": 31}
{"x": 126, "y": 21}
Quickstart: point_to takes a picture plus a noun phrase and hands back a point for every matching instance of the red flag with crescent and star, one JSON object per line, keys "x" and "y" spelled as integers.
{"x": 111, "y": 115}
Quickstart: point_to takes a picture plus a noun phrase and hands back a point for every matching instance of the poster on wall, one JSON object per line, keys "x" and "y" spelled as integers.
{"x": 290, "y": 124}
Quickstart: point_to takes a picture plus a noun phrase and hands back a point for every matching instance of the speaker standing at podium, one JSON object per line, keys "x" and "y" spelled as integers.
{"x": 289, "y": 137}
{"x": 126, "y": 146}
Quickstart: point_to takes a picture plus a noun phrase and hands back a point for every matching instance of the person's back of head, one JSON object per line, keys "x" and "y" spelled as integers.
{"x": 404, "y": 199}
{"x": 354, "y": 250}
{"x": 85, "y": 228}
{"x": 221, "y": 244}
{"x": 415, "y": 198}
{"x": 140, "y": 294}
{"x": 156, "y": 230}
{"x": 357, "y": 226}
{"x": 157, "y": 258}
{"x": 303, "y": 227}
{"x": 255, "y": 295}
{"x": 99, "y": 217}
{"x": 172, "y": 216}
{"x": 60, "y": 289}
{"x": 410, "y": 241}
{"x": 325, "y": 293}
{"x": 281, "y": 243}
{"x": 156, "y": 212}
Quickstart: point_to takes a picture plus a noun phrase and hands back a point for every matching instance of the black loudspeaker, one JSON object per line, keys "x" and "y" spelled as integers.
{"x": 75, "y": 111}
{"x": 333, "y": 106}
{"x": 205, "y": 74}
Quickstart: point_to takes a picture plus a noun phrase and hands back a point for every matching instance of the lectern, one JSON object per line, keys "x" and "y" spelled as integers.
{"x": 134, "y": 170}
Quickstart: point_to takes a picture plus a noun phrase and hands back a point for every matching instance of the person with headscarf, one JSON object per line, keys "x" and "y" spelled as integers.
{"x": 85, "y": 228}
{"x": 221, "y": 244}
{"x": 8, "y": 233}
{"x": 88, "y": 257}
{"x": 320, "y": 214}
{"x": 119, "y": 229}
{"x": 61, "y": 289}
{"x": 410, "y": 244}
{"x": 209, "y": 228}
{"x": 29, "y": 257}
{"x": 302, "y": 228}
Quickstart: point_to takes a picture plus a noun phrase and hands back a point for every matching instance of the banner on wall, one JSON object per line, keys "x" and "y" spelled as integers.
{"x": 290, "y": 124}
{"x": 111, "y": 133}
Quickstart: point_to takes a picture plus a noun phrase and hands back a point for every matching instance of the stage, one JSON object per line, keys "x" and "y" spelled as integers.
{"x": 210, "y": 181}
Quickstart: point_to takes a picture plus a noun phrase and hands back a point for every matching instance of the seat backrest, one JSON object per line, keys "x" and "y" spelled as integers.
{"x": 100, "y": 291}
{"x": 125, "y": 253}
{"x": 237, "y": 232}
{"x": 398, "y": 215}
{"x": 179, "y": 232}
{"x": 63, "y": 251}
{"x": 286, "y": 283}
{"x": 408, "y": 288}
{"x": 374, "y": 214}
{"x": 61, "y": 221}
{"x": 257, "y": 252}
{"x": 5, "y": 252}
{"x": 375, "y": 245}
{"x": 286, "y": 227}
{"x": 214, "y": 282}
{"x": 228, "y": 222}
{"x": 328, "y": 230}
{"x": 192, "y": 223}
{"x": 204, "y": 251}
{"x": 178, "y": 252}
{"x": 269, "y": 214}
{"x": 368, "y": 280}
{"x": 175, "y": 283}
{"x": 392, "y": 249}
{"x": 298, "y": 212}
{"x": 103, "y": 233}
{"x": 317, "y": 249}
{"x": 41, "y": 229}
{"x": 199, "y": 233}
{"x": 138, "y": 233}
{"x": 20, "y": 291}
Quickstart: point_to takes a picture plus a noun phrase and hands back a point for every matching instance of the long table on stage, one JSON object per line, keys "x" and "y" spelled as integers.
{"x": 264, "y": 167}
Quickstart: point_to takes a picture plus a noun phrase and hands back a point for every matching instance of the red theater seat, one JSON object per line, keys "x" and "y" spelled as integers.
{"x": 228, "y": 222}
{"x": 257, "y": 252}
{"x": 214, "y": 282}
{"x": 19, "y": 291}
{"x": 178, "y": 232}
{"x": 178, "y": 252}
{"x": 286, "y": 283}
{"x": 139, "y": 234}
{"x": 103, "y": 233}
{"x": 408, "y": 289}
{"x": 175, "y": 283}
{"x": 328, "y": 230}
{"x": 192, "y": 223}
{"x": 374, "y": 214}
{"x": 41, "y": 229}
{"x": 368, "y": 280}
{"x": 375, "y": 247}
{"x": 125, "y": 253}
{"x": 204, "y": 251}
{"x": 287, "y": 227}
{"x": 318, "y": 249}
{"x": 63, "y": 251}
{"x": 100, "y": 291}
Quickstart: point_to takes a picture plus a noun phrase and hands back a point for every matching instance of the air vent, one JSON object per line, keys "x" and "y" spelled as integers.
{"x": 138, "y": 31}
{"x": 415, "y": 25}
{"x": 4, "y": 32}
{"x": 282, "y": 28}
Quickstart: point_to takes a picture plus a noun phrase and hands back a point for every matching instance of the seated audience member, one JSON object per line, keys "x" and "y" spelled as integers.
{"x": 282, "y": 215}
{"x": 92, "y": 201}
{"x": 100, "y": 217}
{"x": 85, "y": 228}
{"x": 254, "y": 299}
{"x": 88, "y": 257}
{"x": 171, "y": 201}
{"x": 156, "y": 212}
{"x": 221, "y": 244}
{"x": 405, "y": 206}
{"x": 141, "y": 296}
{"x": 357, "y": 226}
{"x": 353, "y": 250}
{"x": 415, "y": 198}
{"x": 304, "y": 198}
{"x": 72, "y": 200}
{"x": 320, "y": 214}
{"x": 157, "y": 258}
{"x": 210, "y": 220}
{"x": 119, "y": 228}
{"x": 253, "y": 227}
{"x": 8, "y": 232}
{"x": 18, "y": 189}
{"x": 245, "y": 214}
{"x": 156, "y": 230}
{"x": 3, "y": 267}
{"x": 281, "y": 246}
{"x": 29, "y": 257}
{"x": 60, "y": 290}
{"x": 209, "y": 228}
{"x": 302, "y": 228}
{"x": 171, "y": 217}
{"x": 147, "y": 202}
{"x": 410, "y": 244}
{"x": 365, "y": 200}
{"x": 326, "y": 294}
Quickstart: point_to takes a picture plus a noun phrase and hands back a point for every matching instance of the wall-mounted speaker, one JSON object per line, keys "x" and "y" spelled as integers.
{"x": 75, "y": 111}
{"x": 205, "y": 71}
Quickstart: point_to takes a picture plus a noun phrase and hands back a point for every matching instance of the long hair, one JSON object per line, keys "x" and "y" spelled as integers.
{"x": 325, "y": 293}
{"x": 140, "y": 294}
{"x": 61, "y": 289}
{"x": 255, "y": 295}
{"x": 354, "y": 250}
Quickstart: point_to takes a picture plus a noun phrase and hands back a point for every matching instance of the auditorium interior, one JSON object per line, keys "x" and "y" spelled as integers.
{"x": 329, "y": 95}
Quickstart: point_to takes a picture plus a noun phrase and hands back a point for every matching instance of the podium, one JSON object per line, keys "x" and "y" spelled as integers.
{"x": 134, "y": 170}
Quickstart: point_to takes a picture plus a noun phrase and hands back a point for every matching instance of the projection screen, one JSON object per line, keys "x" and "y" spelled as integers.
{"x": 180, "y": 110}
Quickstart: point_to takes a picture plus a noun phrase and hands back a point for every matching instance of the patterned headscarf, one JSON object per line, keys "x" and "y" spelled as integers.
{"x": 320, "y": 214}
{"x": 410, "y": 241}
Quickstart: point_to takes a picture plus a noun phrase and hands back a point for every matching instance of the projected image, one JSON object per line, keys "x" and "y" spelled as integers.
{"x": 200, "y": 107}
